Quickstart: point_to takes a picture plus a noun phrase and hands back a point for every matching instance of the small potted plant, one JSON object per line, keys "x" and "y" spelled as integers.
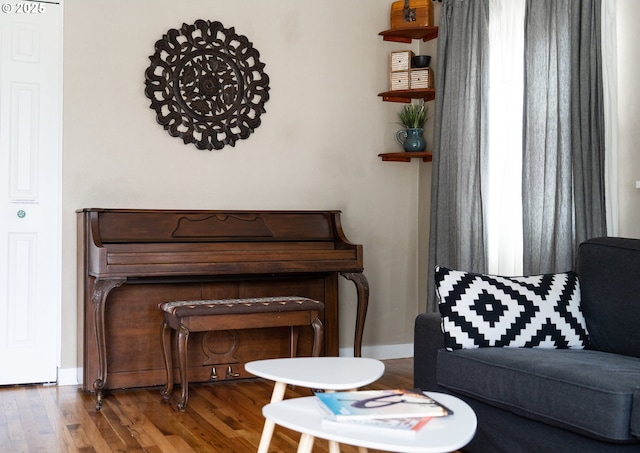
{"x": 412, "y": 117}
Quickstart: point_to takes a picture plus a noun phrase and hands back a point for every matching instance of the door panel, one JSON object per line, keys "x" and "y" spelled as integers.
{"x": 30, "y": 167}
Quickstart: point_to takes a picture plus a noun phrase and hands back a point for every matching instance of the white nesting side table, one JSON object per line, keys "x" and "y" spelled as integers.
{"x": 440, "y": 435}
{"x": 322, "y": 373}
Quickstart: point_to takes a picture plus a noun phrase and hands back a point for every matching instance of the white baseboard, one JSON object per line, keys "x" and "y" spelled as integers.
{"x": 382, "y": 352}
{"x": 68, "y": 376}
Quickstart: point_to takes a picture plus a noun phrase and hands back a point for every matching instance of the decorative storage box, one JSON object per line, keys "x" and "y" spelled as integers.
{"x": 411, "y": 14}
{"x": 400, "y": 80}
{"x": 401, "y": 60}
{"x": 421, "y": 78}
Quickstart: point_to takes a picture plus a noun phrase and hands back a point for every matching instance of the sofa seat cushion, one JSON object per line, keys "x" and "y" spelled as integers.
{"x": 592, "y": 393}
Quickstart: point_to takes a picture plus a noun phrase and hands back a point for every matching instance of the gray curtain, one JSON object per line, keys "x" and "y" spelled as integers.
{"x": 563, "y": 154}
{"x": 457, "y": 235}
{"x": 563, "y": 141}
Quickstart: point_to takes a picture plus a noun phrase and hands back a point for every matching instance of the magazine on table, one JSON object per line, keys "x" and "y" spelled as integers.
{"x": 390, "y": 426}
{"x": 380, "y": 404}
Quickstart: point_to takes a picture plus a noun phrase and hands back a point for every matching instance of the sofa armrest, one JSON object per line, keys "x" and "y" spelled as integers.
{"x": 427, "y": 340}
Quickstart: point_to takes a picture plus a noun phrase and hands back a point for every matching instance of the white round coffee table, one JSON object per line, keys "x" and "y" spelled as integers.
{"x": 441, "y": 434}
{"x": 325, "y": 373}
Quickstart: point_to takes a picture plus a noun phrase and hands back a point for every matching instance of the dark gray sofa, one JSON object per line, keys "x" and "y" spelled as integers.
{"x": 553, "y": 400}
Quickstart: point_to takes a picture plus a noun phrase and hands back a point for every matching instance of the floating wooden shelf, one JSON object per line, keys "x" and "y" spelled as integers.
{"x": 406, "y": 156}
{"x": 428, "y": 94}
{"x": 407, "y": 34}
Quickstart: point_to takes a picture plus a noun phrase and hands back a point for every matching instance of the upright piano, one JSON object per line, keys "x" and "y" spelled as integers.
{"x": 130, "y": 260}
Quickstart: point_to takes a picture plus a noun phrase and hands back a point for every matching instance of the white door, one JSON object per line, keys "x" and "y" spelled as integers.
{"x": 30, "y": 168}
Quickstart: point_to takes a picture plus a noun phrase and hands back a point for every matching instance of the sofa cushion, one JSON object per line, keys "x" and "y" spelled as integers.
{"x": 592, "y": 393}
{"x": 488, "y": 310}
{"x": 608, "y": 270}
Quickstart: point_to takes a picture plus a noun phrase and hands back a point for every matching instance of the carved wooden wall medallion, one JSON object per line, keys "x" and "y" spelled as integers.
{"x": 207, "y": 85}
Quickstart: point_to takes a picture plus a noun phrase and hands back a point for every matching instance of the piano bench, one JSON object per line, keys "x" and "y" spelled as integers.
{"x": 231, "y": 314}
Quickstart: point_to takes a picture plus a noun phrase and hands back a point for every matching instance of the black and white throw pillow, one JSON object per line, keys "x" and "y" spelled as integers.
{"x": 481, "y": 310}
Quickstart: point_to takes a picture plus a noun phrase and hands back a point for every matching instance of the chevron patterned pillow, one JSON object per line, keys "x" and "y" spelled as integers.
{"x": 540, "y": 311}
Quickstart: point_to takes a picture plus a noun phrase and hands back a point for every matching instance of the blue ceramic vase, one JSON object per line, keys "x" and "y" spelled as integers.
{"x": 411, "y": 139}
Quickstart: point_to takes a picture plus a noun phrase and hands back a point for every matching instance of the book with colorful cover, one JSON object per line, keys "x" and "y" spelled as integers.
{"x": 391, "y": 426}
{"x": 380, "y": 404}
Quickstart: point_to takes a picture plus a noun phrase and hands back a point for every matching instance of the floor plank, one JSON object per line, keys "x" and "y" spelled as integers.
{"x": 224, "y": 417}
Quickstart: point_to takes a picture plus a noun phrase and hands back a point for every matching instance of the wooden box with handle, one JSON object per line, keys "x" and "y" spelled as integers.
{"x": 411, "y": 14}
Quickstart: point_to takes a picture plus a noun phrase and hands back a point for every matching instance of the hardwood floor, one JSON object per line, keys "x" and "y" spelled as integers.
{"x": 221, "y": 418}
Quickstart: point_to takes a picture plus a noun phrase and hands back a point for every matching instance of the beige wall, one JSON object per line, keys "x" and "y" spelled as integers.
{"x": 628, "y": 37}
{"x": 316, "y": 148}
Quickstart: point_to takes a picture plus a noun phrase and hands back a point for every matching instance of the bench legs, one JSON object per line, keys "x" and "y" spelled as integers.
{"x": 165, "y": 335}
{"x": 183, "y": 337}
{"x": 318, "y": 333}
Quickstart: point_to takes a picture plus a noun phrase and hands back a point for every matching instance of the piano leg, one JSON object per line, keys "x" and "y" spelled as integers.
{"x": 362, "y": 286}
{"x": 101, "y": 290}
